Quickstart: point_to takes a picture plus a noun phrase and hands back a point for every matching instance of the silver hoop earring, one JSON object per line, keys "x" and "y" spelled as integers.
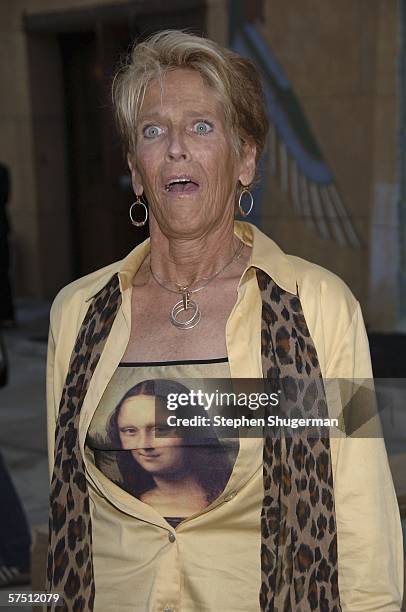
{"x": 138, "y": 202}
{"x": 245, "y": 213}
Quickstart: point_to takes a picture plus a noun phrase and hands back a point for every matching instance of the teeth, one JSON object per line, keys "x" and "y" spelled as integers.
{"x": 181, "y": 180}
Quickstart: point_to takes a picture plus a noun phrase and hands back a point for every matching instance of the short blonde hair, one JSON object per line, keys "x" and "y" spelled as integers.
{"x": 233, "y": 78}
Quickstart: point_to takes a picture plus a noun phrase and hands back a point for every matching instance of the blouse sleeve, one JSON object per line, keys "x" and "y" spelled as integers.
{"x": 66, "y": 313}
{"x": 369, "y": 533}
{"x": 50, "y": 397}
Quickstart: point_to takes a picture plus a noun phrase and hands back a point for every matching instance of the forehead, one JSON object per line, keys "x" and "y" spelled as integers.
{"x": 139, "y": 409}
{"x": 137, "y": 406}
{"x": 181, "y": 90}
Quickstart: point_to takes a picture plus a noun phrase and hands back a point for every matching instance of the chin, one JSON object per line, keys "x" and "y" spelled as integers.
{"x": 186, "y": 228}
{"x": 192, "y": 222}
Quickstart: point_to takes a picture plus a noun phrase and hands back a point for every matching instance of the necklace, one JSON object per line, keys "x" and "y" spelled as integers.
{"x": 186, "y": 303}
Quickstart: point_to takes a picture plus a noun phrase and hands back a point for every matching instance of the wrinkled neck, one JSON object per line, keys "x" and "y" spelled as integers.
{"x": 186, "y": 260}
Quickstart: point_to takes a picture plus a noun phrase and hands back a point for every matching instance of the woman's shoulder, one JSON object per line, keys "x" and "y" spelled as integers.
{"x": 316, "y": 286}
{"x": 74, "y": 296}
{"x": 322, "y": 286}
{"x": 332, "y": 314}
{"x": 84, "y": 287}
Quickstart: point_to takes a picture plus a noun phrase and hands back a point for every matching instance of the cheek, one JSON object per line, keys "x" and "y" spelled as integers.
{"x": 125, "y": 442}
{"x": 134, "y": 456}
{"x": 149, "y": 157}
{"x": 168, "y": 446}
{"x": 145, "y": 173}
{"x": 219, "y": 158}
{"x": 174, "y": 454}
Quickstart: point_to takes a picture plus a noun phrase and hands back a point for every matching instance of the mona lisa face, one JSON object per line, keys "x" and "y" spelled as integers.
{"x": 138, "y": 424}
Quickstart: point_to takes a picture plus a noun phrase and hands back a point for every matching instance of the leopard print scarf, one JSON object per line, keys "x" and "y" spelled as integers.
{"x": 299, "y": 537}
{"x": 299, "y": 540}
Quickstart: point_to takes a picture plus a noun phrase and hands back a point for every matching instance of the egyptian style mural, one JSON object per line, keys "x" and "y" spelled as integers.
{"x": 294, "y": 156}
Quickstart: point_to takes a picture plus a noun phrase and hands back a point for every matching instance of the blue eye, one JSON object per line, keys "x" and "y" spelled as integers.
{"x": 202, "y": 127}
{"x": 151, "y": 131}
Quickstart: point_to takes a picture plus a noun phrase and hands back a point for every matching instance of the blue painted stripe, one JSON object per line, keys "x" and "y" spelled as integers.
{"x": 314, "y": 169}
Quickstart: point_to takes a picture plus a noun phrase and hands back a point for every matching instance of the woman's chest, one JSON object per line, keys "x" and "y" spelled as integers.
{"x": 154, "y": 337}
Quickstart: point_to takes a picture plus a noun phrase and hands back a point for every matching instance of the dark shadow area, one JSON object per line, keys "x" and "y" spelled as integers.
{"x": 388, "y": 355}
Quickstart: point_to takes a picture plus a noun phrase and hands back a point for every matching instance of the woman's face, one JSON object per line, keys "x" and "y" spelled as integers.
{"x": 138, "y": 423}
{"x": 182, "y": 136}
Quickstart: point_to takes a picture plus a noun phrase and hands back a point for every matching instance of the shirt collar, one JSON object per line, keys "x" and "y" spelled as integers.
{"x": 265, "y": 255}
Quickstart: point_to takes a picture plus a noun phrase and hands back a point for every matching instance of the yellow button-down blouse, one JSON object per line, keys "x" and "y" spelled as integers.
{"x": 370, "y": 553}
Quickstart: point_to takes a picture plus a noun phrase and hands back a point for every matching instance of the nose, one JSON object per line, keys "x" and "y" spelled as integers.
{"x": 177, "y": 149}
{"x": 145, "y": 439}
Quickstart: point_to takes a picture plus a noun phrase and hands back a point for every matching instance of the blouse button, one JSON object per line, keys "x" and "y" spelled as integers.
{"x": 171, "y": 538}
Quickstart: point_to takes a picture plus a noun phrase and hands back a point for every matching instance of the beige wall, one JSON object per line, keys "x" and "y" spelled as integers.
{"x": 33, "y": 142}
{"x": 341, "y": 59}
{"x": 384, "y": 223}
{"x": 16, "y": 150}
{"x": 32, "y": 145}
{"x": 217, "y": 20}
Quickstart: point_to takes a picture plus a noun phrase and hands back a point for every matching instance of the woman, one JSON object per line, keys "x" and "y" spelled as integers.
{"x": 301, "y": 524}
{"x": 163, "y": 466}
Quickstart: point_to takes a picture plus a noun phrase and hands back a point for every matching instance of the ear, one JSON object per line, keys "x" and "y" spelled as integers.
{"x": 247, "y": 162}
{"x": 135, "y": 175}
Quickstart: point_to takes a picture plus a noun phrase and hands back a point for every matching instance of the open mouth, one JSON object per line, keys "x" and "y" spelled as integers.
{"x": 181, "y": 185}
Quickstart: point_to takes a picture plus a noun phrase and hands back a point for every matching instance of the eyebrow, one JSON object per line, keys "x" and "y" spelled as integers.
{"x": 148, "y": 425}
{"x": 156, "y": 115}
